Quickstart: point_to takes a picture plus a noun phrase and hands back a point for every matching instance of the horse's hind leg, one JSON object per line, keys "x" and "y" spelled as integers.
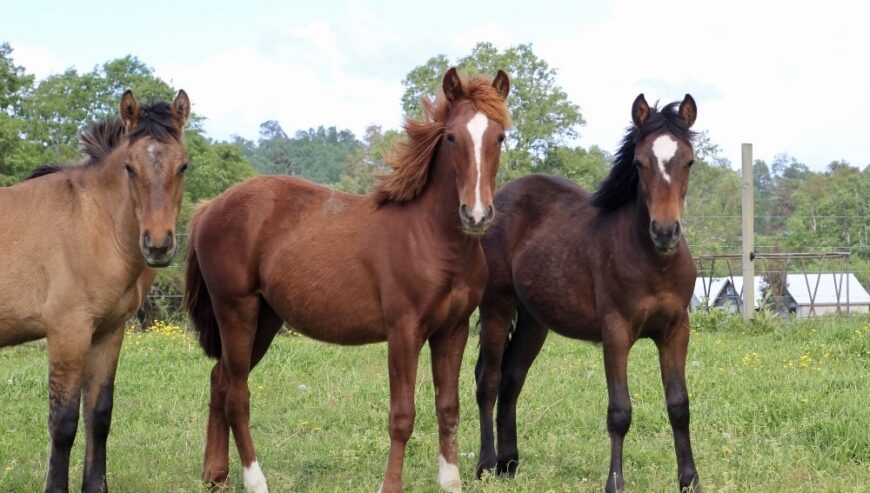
{"x": 67, "y": 352}
{"x": 672, "y": 359}
{"x": 102, "y": 361}
{"x": 268, "y": 325}
{"x": 216, "y": 463}
{"x": 521, "y": 352}
{"x": 497, "y": 311}
{"x": 237, "y": 319}
{"x": 447, "y": 349}
{"x": 216, "y": 466}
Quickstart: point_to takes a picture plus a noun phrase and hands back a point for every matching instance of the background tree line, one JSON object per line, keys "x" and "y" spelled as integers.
{"x": 797, "y": 209}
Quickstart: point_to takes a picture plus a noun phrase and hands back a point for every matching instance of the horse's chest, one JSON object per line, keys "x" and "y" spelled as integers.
{"x": 456, "y": 304}
{"x": 656, "y": 312}
{"x": 119, "y": 304}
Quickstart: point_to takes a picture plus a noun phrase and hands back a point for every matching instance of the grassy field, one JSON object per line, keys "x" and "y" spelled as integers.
{"x": 775, "y": 407}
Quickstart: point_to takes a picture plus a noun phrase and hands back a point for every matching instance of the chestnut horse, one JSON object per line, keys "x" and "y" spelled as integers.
{"x": 77, "y": 246}
{"x": 610, "y": 267}
{"x": 403, "y": 265}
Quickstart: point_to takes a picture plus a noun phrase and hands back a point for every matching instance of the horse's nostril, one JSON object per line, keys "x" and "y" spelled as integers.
{"x": 677, "y": 228}
{"x": 146, "y": 240}
{"x": 463, "y": 213}
{"x": 490, "y": 213}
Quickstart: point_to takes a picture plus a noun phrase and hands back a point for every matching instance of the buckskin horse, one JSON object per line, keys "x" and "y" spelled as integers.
{"x": 77, "y": 250}
{"x": 609, "y": 267}
{"x": 402, "y": 265}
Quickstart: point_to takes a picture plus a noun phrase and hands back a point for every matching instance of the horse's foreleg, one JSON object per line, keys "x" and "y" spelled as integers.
{"x": 617, "y": 343}
{"x": 403, "y": 351}
{"x": 672, "y": 359}
{"x": 216, "y": 463}
{"x": 496, "y": 315}
{"x": 67, "y": 352}
{"x": 102, "y": 361}
{"x": 518, "y": 358}
{"x": 447, "y": 349}
{"x": 237, "y": 321}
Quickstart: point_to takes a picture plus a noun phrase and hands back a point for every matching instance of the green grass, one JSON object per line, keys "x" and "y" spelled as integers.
{"x": 775, "y": 407}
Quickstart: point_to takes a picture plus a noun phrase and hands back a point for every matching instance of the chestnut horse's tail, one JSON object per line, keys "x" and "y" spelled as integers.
{"x": 197, "y": 301}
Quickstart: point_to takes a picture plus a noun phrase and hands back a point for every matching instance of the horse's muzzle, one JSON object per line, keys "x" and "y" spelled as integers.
{"x": 475, "y": 226}
{"x": 158, "y": 253}
{"x": 665, "y": 237}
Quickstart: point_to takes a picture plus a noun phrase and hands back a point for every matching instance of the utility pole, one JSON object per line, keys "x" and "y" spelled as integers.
{"x": 748, "y": 215}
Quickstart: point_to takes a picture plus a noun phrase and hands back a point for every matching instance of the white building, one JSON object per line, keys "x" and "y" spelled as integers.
{"x": 805, "y": 295}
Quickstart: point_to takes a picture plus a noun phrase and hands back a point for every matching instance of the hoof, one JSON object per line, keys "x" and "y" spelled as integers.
{"x": 508, "y": 466}
{"x": 484, "y": 467}
{"x": 615, "y": 484}
{"x": 693, "y": 487}
{"x": 254, "y": 480}
{"x": 448, "y": 476}
{"x": 216, "y": 480}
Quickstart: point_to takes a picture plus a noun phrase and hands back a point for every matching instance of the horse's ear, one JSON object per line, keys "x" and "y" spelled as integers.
{"x": 502, "y": 84}
{"x": 181, "y": 108}
{"x": 688, "y": 110}
{"x": 639, "y": 110}
{"x": 452, "y": 85}
{"x": 129, "y": 110}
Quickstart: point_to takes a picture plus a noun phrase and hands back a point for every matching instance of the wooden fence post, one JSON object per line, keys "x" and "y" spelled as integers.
{"x": 748, "y": 214}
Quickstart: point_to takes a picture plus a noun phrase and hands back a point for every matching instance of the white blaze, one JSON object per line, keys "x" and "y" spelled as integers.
{"x": 255, "y": 482}
{"x": 476, "y": 128}
{"x": 448, "y": 475}
{"x": 664, "y": 149}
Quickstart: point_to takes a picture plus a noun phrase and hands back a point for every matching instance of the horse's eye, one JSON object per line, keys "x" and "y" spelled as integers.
{"x": 500, "y": 138}
{"x": 451, "y": 138}
{"x": 637, "y": 163}
{"x": 183, "y": 169}
{"x": 130, "y": 171}
{"x": 691, "y": 163}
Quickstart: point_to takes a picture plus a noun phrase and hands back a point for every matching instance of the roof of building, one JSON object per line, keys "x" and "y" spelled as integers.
{"x": 825, "y": 287}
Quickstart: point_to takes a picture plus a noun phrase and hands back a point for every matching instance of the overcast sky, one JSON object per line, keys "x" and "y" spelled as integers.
{"x": 787, "y": 76}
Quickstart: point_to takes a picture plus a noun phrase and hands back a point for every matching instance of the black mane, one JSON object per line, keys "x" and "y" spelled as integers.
{"x": 156, "y": 120}
{"x": 620, "y": 186}
{"x": 101, "y": 138}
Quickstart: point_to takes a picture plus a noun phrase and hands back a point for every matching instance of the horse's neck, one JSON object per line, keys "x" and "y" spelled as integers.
{"x": 629, "y": 225}
{"x": 438, "y": 204}
{"x": 105, "y": 186}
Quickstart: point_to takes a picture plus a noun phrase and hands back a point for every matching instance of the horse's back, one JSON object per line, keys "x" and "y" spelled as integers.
{"x": 527, "y": 206}
{"x": 301, "y": 246}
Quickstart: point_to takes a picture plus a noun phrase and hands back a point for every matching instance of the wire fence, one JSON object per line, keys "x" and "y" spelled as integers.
{"x": 718, "y": 261}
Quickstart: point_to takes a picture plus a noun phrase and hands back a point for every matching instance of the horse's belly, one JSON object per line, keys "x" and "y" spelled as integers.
{"x": 340, "y": 316}
{"x": 17, "y": 331}
{"x": 574, "y": 323}
{"x": 563, "y": 304}
{"x": 345, "y": 334}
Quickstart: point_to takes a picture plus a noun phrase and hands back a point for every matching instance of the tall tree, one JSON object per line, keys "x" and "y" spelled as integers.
{"x": 18, "y": 153}
{"x": 362, "y": 169}
{"x": 319, "y": 154}
{"x": 585, "y": 167}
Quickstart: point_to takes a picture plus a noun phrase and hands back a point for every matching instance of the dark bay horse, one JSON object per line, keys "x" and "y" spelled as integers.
{"x": 76, "y": 252}
{"x": 403, "y": 265}
{"x": 610, "y": 267}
